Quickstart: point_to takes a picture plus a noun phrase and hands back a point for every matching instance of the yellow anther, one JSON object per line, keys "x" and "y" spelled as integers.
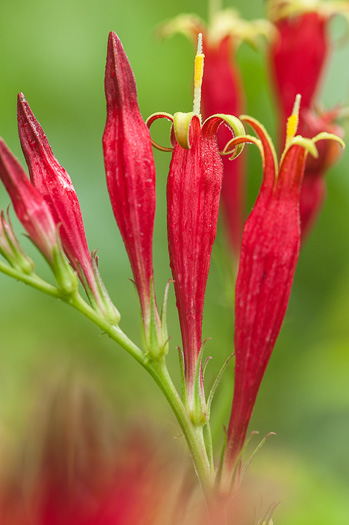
{"x": 198, "y": 74}
{"x": 292, "y": 122}
{"x": 198, "y": 71}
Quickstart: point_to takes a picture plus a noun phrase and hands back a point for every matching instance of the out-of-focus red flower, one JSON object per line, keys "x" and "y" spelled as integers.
{"x": 29, "y": 205}
{"x": 130, "y": 172}
{"x": 313, "y": 190}
{"x": 299, "y": 53}
{"x": 73, "y": 466}
{"x": 269, "y": 254}
{"x": 222, "y": 92}
{"x": 298, "y": 57}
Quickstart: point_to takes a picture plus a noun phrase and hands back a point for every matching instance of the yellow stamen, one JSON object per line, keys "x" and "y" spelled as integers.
{"x": 198, "y": 74}
{"x": 292, "y": 122}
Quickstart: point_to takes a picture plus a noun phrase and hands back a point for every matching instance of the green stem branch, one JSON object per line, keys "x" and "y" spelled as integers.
{"x": 156, "y": 368}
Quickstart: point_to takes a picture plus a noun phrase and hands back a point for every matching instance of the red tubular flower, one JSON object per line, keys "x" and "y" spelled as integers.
{"x": 269, "y": 254}
{"x": 193, "y": 193}
{"x": 29, "y": 205}
{"x": 54, "y": 184}
{"x": 130, "y": 172}
{"x": 222, "y": 92}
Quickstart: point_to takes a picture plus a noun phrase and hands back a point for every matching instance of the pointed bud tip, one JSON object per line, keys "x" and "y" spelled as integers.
{"x": 114, "y": 42}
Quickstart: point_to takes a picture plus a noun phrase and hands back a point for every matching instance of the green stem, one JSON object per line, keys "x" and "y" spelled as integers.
{"x": 31, "y": 279}
{"x": 156, "y": 367}
{"x": 193, "y": 434}
{"x": 77, "y": 302}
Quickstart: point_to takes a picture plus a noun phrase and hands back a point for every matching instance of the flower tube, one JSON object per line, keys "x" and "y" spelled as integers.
{"x": 269, "y": 254}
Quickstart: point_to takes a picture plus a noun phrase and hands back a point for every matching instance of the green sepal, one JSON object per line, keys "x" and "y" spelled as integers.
{"x": 182, "y": 371}
{"x": 66, "y": 278}
{"x": 163, "y": 318}
{"x": 15, "y": 256}
{"x": 107, "y": 308}
{"x": 215, "y": 384}
{"x": 221, "y": 457}
{"x": 197, "y": 408}
{"x": 259, "y": 446}
{"x": 208, "y": 444}
{"x": 207, "y": 360}
{"x": 153, "y": 334}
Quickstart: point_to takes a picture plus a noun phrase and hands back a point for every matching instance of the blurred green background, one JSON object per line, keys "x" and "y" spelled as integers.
{"x": 55, "y": 54}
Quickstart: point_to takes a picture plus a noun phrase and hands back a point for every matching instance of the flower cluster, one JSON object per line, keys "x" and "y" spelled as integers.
{"x": 266, "y": 246}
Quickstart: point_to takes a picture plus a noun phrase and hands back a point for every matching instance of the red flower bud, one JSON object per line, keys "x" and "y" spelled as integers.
{"x": 54, "y": 184}
{"x": 130, "y": 170}
{"x": 29, "y": 205}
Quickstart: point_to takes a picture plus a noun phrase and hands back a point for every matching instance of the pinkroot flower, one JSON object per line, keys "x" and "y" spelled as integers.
{"x": 299, "y": 54}
{"x": 269, "y": 254}
{"x": 29, "y": 205}
{"x": 222, "y": 92}
{"x": 298, "y": 57}
{"x": 193, "y": 194}
{"x": 130, "y": 173}
{"x": 55, "y": 186}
